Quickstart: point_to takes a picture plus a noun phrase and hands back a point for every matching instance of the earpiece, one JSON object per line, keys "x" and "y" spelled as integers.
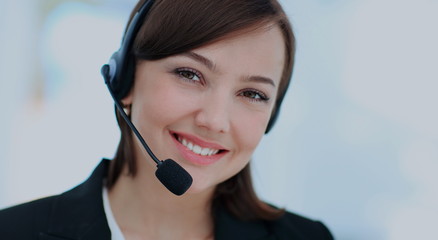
{"x": 121, "y": 66}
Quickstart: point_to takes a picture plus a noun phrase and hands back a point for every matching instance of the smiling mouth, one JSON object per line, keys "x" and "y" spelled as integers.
{"x": 196, "y": 148}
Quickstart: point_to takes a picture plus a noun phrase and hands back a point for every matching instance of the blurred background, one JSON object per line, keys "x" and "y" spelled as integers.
{"x": 356, "y": 145}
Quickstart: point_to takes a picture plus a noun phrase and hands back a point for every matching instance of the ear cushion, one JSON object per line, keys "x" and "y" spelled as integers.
{"x": 127, "y": 78}
{"x": 121, "y": 74}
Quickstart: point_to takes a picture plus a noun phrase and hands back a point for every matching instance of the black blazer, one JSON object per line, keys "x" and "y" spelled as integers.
{"x": 79, "y": 214}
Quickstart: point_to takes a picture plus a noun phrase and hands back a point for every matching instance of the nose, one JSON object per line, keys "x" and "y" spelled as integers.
{"x": 214, "y": 114}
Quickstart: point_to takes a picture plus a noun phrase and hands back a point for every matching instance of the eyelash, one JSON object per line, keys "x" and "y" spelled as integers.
{"x": 180, "y": 71}
{"x": 259, "y": 96}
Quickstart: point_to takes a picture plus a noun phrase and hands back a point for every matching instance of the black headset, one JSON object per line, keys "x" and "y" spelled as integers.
{"x": 119, "y": 72}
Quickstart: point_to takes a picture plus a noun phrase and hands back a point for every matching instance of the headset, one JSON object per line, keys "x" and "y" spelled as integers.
{"x": 119, "y": 72}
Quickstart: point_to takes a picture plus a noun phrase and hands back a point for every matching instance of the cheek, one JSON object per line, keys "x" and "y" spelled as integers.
{"x": 249, "y": 129}
{"x": 163, "y": 102}
{"x": 246, "y": 139}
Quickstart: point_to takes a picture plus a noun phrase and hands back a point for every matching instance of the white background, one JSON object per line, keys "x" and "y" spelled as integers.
{"x": 356, "y": 145}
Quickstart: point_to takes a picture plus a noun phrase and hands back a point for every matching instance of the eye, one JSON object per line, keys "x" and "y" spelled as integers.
{"x": 254, "y": 95}
{"x": 189, "y": 74}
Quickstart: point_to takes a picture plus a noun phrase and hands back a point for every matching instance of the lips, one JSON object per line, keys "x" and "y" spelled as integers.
{"x": 196, "y": 148}
{"x": 198, "y": 151}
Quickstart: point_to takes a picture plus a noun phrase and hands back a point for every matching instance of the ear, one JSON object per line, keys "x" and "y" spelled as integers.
{"x": 127, "y": 100}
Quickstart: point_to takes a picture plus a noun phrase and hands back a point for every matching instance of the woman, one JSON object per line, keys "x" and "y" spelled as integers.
{"x": 201, "y": 81}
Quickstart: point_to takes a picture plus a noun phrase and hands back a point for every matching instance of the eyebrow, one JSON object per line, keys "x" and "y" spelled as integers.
{"x": 210, "y": 65}
{"x": 201, "y": 59}
{"x": 260, "y": 79}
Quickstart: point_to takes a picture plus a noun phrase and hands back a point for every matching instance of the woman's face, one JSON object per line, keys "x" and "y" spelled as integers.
{"x": 208, "y": 108}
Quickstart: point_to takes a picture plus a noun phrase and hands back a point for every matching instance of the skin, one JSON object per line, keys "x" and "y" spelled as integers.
{"x": 215, "y": 96}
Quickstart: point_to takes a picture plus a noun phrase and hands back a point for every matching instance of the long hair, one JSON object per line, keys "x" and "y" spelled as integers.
{"x": 177, "y": 26}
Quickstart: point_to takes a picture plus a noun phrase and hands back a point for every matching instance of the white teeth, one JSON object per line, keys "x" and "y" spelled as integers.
{"x": 205, "y": 151}
{"x": 196, "y": 148}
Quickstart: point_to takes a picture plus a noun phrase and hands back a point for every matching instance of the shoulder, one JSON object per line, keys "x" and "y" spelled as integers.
{"x": 24, "y": 220}
{"x": 291, "y": 224}
{"x": 75, "y": 214}
{"x": 288, "y": 226}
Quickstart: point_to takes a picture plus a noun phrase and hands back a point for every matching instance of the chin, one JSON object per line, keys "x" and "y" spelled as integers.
{"x": 201, "y": 186}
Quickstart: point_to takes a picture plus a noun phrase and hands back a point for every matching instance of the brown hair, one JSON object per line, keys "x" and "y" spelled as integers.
{"x": 173, "y": 27}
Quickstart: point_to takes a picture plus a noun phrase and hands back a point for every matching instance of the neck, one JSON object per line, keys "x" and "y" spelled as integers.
{"x": 142, "y": 206}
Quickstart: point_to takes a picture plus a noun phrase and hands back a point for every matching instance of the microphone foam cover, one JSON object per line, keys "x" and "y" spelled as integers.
{"x": 173, "y": 177}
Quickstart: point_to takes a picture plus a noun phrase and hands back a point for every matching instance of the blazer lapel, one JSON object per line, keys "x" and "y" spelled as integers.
{"x": 44, "y": 236}
{"x": 229, "y": 228}
{"x": 79, "y": 213}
